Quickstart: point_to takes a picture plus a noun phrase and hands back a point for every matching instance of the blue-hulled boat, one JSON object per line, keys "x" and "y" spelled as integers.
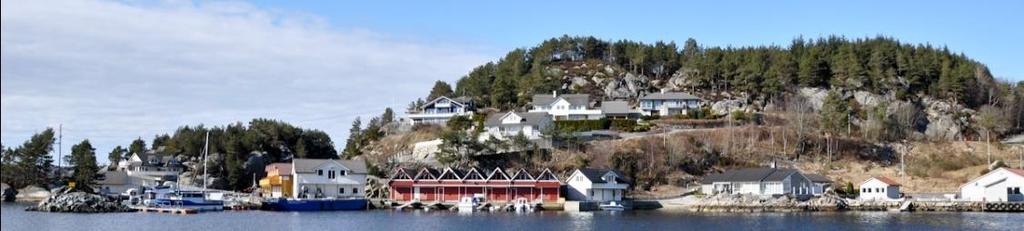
{"x": 322, "y": 204}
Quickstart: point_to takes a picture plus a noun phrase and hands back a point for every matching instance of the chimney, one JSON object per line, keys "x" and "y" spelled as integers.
{"x": 554, "y": 94}
{"x": 773, "y": 164}
{"x": 663, "y": 91}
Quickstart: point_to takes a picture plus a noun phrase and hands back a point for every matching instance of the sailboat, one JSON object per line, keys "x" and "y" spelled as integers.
{"x": 170, "y": 194}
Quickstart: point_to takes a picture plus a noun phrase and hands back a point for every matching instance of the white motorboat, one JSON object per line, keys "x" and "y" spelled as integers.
{"x": 612, "y": 206}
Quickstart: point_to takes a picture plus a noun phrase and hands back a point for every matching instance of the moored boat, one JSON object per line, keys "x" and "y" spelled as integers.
{"x": 612, "y": 206}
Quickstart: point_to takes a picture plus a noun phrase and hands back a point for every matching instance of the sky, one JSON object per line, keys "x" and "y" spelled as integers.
{"x": 112, "y": 71}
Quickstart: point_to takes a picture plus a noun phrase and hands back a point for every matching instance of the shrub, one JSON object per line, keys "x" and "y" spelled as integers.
{"x": 582, "y": 125}
{"x": 623, "y": 125}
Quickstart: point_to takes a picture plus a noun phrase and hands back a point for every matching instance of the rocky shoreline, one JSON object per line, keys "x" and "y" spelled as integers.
{"x": 68, "y": 200}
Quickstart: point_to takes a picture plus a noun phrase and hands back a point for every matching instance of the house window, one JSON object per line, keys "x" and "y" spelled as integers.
{"x": 320, "y": 172}
{"x": 1013, "y": 190}
{"x": 330, "y": 174}
{"x": 343, "y": 173}
{"x": 355, "y": 190}
{"x": 341, "y": 190}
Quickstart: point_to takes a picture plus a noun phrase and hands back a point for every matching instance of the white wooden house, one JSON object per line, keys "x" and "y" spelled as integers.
{"x": 599, "y": 185}
{"x": 566, "y": 106}
{"x": 880, "y": 188}
{"x": 439, "y": 110}
{"x": 509, "y": 124}
{"x": 328, "y": 178}
{"x": 1003, "y": 184}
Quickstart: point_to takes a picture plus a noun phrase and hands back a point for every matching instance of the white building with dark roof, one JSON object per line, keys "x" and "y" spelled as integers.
{"x": 1003, "y": 184}
{"x": 600, "y": 185}
{"x": 509, "y": 124}
{"x": 669, "y": 103}
{"x": 758, "y": 181}
{"x": 328, "y": 178}
{"x": 153, "y": 163}
{"x": 439, "y": 110}
{"x": 565, "y": 106}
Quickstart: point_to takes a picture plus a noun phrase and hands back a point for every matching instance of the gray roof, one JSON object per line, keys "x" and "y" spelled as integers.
{"x": 594, "y": 175}
{"x": 668, "y": 96}
{"x": 615, "y": 107}
{"x": 574, "y": 99}
{"x": 817, "y": 178}
{"x": 308, "y": 165}
{"x": 749, "y": 175}
{"x": 529, "y": 118}
{"x": 462, "y": 100}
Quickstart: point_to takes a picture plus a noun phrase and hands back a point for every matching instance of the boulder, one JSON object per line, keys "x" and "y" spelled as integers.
{"x": 628, "y": 87}
{"x": 725, "y": 107}
{"x": 578, "y": 83}
{"x": 867, "y": 98}
{"x": 682, "y": 79}
{"x": 32, "y": 193}
{"x": 941, "y": 122}
{"x": 815, "y": 96}
{"x": 69, "y": 200}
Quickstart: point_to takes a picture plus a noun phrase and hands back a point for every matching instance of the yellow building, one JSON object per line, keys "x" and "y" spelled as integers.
{"x": 278, "y": 182}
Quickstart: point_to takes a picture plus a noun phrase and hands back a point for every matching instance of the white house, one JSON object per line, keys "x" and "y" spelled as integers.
{"x": 668, "y": 103}
{"x": 565, "y": 107}
{"x": 439, "y": 110}
{"x": 758, "y": 181}
{"x": 328, "y": 178}
{"x": 509, "y": 124}
{"x": 600, "y": 185}
{"x": 153, "y": 163}
{"x": 880, "y": 188}
{"x": 1003, "y": 184}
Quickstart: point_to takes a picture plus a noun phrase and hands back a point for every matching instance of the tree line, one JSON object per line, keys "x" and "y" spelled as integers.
{"x": 880, "y": 65}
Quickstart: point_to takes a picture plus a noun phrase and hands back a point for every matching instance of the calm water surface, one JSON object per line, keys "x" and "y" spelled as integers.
{"x": 13, "y": 217}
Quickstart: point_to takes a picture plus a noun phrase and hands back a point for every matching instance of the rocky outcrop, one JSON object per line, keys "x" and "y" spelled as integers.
{"x": 32, "y": 193}
{"x": 682, "y": 79}
{"x": 725, "y": 107}
{"x": 627, "y": 87}
{"x": 814, "y": 96}
{"x": 68, "y": 200}
{"x": 749, "y": 203}
{"x": 943, "y": 120}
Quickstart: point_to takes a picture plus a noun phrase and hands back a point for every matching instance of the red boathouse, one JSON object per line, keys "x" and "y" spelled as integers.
{"x": 449, "y": 185}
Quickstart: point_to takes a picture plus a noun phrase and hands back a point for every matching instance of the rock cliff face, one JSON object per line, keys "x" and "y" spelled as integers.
{"x": 67, "y": 200}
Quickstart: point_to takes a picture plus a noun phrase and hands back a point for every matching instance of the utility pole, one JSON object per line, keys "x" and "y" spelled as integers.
{"x": 60, "y": 149}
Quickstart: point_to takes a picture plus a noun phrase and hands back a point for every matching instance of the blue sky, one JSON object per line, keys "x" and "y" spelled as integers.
{"x": 112, "y": 71}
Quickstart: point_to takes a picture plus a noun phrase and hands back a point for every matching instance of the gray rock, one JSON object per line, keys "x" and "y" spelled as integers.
{"x": 725, "y": 107}
{"x": 578, "y": 83}
{"x": 67, "y": 200}
{"x": 867, "y": 98}
{"x": 628, "y": 87}
{"x": 814, "y": 96}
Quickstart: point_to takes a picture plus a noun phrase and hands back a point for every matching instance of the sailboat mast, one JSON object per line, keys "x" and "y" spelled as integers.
{"x": 206, "y": 152}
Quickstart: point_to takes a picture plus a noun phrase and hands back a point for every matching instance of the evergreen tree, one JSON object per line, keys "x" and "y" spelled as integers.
{"x": 115, "y": 156}
{"x": 138, "y": 146}
{"x": 388, "y": 116}
{"x": 83, "y": 161}
{"x": 32, "y": 161}
{"x": 834, "y": 112}
{"x": 159, "y": 141}
{"x": 440, "y": 89}
{"x": 352, "y": 145}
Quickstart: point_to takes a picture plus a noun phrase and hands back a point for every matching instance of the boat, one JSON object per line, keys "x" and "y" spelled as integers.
{"x": 170, "y": 195}
{"x": 522, "y": 206}
{"x": 315, "y": 204}
{"x": 468, "y": 204}
{"x": 612, "y": 206}
{"x": 166, "y": 196}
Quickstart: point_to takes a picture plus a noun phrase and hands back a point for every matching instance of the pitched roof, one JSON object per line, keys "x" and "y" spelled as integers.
{"x": 113, "y": 178}
{"x": 309, "y": 165}
{"x": 459, "y": 100}
{"x": 885, "y": 180}
{"x": 749, "y": 175}
{"x": 817, "y": 178}
{"x": 615, "y": 107}
{"x": 1019, "y": 172}
{"x": 594, "y": 175}
{"x": 668, "y": 96}
{"x": 573, "y": 99}
{"x": 529, "y": 118}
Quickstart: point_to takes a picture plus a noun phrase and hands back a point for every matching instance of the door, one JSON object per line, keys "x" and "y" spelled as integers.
{"x": 416, "y": 193}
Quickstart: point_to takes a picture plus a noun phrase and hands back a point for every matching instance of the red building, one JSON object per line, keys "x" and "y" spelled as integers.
{"x": 499, "y": 186}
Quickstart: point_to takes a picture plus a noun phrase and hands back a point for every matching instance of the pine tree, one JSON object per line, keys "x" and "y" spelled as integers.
{"x": 115, "y": 156}
{"x": 83, "y": 161}
{"x": 440, "y": 89}
{"x": 138, "y": 146}
{"x": 352, "y": 144}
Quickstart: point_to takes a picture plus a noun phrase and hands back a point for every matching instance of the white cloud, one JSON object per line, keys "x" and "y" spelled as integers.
{"x": 113, "y": 71}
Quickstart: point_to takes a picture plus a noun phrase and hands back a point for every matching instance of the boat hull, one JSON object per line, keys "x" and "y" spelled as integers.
{"x": 315, "y": 204}
{"x": 202, "y": 206}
